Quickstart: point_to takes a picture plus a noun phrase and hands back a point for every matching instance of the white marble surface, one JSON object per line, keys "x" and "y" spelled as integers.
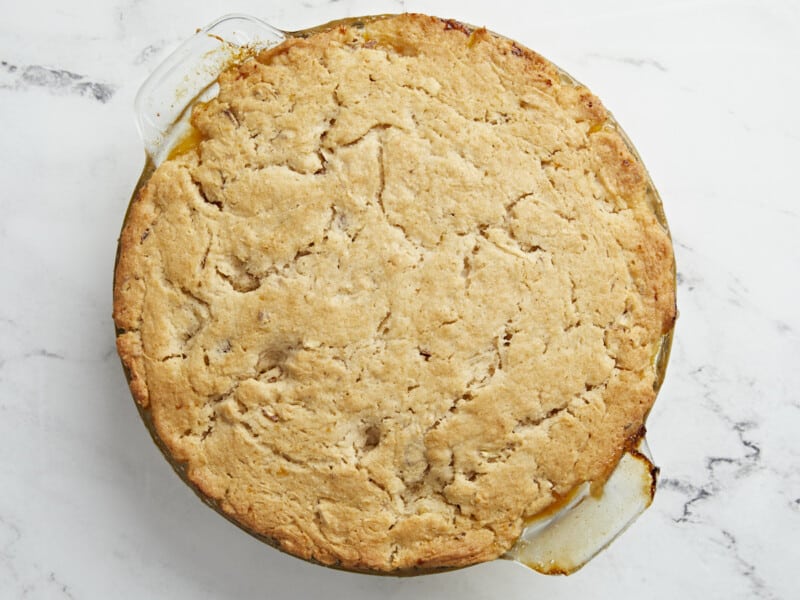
{"x": 708, "y": 92}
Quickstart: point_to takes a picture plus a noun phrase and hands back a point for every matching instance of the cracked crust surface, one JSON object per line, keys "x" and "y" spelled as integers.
{"x": 404, "y": 294}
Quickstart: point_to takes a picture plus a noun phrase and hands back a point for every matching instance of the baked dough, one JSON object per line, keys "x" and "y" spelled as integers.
{"x": 405, "y": 293}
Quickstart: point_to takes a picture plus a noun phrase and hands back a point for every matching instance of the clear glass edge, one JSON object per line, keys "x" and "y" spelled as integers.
{"x": 572, "y": 556}
{"x": 188, "y": 75}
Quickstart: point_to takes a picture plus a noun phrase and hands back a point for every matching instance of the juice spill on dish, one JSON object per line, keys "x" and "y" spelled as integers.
{"x": 559, "y": 504}
{"x": 187, "y": 143}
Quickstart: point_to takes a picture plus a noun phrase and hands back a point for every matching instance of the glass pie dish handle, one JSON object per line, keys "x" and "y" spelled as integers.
{"x": 189, "y": 75}
{"x": 556, "y": 541}
{"x": 561, "y": 542}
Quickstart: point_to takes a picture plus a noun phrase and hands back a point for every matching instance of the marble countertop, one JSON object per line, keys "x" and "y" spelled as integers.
{"x": 706, "y": 89}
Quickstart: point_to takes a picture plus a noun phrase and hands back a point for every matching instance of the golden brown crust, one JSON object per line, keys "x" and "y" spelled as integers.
{"x": 405, "y": 294}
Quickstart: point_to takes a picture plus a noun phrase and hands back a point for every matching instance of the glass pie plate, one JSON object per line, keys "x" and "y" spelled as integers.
{"x": 559, "y": 540}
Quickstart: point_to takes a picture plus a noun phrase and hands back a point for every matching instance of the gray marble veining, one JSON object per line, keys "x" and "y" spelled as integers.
{"x": 57, "y": 81}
